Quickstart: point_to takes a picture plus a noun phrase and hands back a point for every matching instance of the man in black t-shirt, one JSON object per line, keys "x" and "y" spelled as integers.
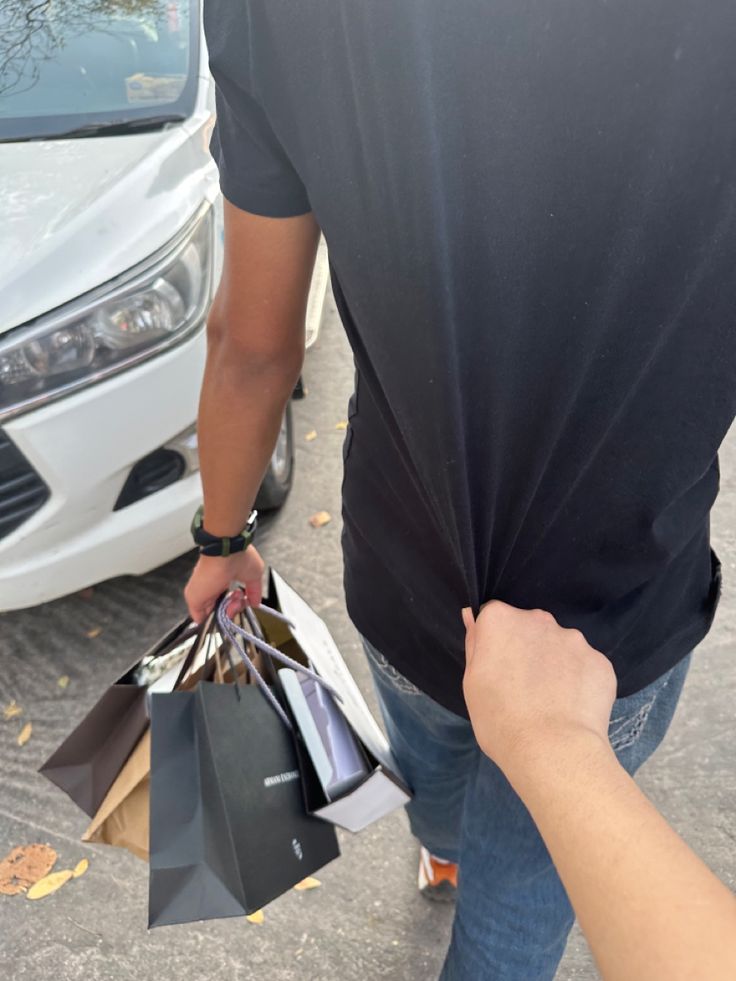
{"x": 530, "y": 210}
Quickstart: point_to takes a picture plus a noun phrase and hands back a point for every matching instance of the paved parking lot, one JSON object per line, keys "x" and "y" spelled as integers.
{"x": 366, "y": 922}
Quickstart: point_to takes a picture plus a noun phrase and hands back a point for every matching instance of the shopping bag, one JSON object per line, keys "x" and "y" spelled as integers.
{"x": 332, "y": 759}
{"x": 292, "y": 626}
{"x": 228, "y": 827}
{"x": 122, "y": 820}
{"x": 85, "y": 765}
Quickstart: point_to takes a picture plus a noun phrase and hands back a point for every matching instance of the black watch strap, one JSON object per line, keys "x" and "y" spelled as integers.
{"x": 226, "y": 545}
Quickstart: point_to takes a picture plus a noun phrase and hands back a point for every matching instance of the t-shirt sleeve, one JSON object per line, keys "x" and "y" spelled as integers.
{"x": 256, "y": 174}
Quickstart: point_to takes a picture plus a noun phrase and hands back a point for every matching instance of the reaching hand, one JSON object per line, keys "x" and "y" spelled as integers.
{"x": 530, "y": 683}
{"x": 213, "y": 575}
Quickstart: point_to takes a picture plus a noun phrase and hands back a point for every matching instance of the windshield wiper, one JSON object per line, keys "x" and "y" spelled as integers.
{"x": 112, "y": 127}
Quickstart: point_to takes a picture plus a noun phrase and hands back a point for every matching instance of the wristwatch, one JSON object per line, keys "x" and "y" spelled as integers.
{"x": 227, "y": 545}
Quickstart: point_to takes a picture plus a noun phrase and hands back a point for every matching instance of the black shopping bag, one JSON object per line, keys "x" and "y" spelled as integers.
{"x": 86, "y": 764}
{"x": 228, "y": 831}
{"x": 352, "y": 749}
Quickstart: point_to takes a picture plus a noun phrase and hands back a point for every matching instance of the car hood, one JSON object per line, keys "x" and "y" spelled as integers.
{"x": 76, "y": 213}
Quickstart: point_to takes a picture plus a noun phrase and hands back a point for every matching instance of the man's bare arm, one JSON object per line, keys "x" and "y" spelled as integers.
{"x": 255, "y": 350}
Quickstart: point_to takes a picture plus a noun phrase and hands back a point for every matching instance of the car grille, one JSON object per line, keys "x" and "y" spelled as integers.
{"x": 22, "y": 492}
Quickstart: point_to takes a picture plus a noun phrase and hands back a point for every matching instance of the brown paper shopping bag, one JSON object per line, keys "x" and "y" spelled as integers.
{"x": 122, "y": 818}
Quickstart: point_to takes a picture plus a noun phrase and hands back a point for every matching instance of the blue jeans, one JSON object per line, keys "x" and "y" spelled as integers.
{"x": 513, "y": 915}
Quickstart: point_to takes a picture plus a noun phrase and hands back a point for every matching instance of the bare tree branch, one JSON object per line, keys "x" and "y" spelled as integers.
{"x": 32, "y": 33}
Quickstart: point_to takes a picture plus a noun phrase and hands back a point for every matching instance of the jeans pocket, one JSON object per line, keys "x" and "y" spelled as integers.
{"x": 388, "y": 673}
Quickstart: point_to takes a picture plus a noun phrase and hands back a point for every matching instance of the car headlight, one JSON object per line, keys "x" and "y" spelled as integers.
{"x": 152, "y": 307}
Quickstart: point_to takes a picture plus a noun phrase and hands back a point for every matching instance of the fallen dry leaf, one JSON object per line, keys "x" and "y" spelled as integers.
{"x": 342, "y": 425}
{"x": 63, "y": 681}
{"x": 309, "y": 883}
{"x": 320, "y": 518}
{"x": 256, "y": 917}
{"x": 23, "y": 866}
{"x": 25, "y": 734}
{"x": 94, "y": 632}
{"x": 312, "y": 434}
{"x": 80, "y": 868}
{"x": 49, "y": 884}
{"x": 12, "y": 710}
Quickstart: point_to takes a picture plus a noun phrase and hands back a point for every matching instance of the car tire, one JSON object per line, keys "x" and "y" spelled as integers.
{"x": 280, "y": 474}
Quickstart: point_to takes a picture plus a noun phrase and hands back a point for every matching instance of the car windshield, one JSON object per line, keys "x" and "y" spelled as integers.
{"x": 71, "y": 67}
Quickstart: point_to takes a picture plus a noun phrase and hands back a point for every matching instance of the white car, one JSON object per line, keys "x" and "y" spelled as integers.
{"x": 110, "y": 250}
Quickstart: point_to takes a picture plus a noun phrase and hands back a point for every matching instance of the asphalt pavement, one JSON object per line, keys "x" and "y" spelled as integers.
{"x": 366, "y": 921}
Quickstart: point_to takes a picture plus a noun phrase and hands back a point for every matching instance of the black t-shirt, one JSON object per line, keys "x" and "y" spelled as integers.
{"x": 530, "y": 209}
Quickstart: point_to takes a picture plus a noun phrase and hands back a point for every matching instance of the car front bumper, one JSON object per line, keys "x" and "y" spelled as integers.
{"x": 83, "y": 448}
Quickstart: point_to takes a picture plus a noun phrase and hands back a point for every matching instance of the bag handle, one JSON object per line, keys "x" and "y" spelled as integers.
{"x": 173, "y": 639}
{"x": 206, "y": 634}
{"x": 203, "y": 635}
{"x": 219, "y": 673}
{"x": 233, "y": 631}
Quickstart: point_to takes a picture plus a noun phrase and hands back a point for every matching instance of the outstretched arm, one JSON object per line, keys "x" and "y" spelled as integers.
{"x": 540, "y": 701}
